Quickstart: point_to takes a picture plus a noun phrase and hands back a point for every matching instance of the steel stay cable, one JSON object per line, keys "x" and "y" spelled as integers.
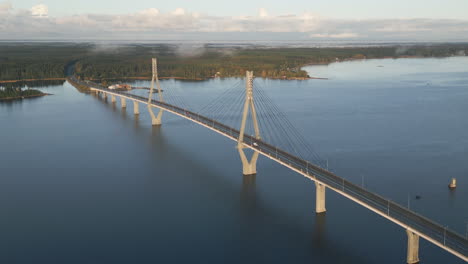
{"x": 286, "y": 121}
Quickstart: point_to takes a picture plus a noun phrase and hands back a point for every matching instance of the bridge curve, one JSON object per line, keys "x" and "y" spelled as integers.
{"x": 433, "y": 232}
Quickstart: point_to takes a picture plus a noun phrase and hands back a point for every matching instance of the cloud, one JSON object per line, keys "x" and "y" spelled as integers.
{"x": 182, "y": 24}
{"x": 150, "y": 12}
{"x": 179, "y": 12}
{"x": 336, "y": 36}
{"x": 262, "y": 12}
{"x": 5, "y": 7}
{"x": 40, "y": 11}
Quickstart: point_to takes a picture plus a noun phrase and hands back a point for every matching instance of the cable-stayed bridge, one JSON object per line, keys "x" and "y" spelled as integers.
{"x": 266, "y": 131}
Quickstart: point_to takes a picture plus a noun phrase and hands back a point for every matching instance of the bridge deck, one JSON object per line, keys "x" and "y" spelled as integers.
{"x": 424, "y": 227}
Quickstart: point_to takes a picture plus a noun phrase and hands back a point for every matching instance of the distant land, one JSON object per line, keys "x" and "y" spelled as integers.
{"x": 41, "y": 61}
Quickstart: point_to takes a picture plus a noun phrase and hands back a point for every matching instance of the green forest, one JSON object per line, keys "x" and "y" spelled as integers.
{"x": 92, "y": 61}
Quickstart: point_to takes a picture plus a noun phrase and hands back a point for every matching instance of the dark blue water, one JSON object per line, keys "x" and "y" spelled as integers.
{"x": 83, "y": 181}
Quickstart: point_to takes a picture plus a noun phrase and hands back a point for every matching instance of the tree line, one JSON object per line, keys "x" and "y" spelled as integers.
{"x": 53, "y": 60}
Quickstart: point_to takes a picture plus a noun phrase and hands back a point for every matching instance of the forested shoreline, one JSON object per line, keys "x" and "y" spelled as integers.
{"x": 92, "y": 61}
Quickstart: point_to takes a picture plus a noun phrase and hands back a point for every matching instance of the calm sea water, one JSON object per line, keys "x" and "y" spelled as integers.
{"x": 83, "y": 181}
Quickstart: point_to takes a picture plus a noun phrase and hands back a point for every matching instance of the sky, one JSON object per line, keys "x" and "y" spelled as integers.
{"x": 357, "y": 20}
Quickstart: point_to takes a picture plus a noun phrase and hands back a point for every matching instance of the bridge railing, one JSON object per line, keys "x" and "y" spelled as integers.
{"x": 413, "y": 220}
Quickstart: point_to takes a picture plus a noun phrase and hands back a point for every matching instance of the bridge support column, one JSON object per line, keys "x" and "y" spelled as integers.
{"x": 113, "y": 99}
{"x": 319, "y": 198}
{"x": 123, "y": 102}
{"x": 136, "y": 110}
{"x": 105, "y": 95}
{"x": 248, "y": 167}
{"x": 413, "y": 247}
{"x": 155, "y": 120}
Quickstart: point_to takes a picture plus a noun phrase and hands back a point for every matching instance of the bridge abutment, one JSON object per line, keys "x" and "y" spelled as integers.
{"x": 413, "y": 248}
{"x": 320, "y": 198}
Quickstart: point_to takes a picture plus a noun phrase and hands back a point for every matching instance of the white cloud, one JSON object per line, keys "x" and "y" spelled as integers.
{"x": 336, "y": 36}
{"x": 150, "y": 12}
{"x": 179, "y": 12}
{"x": 40, "y": 11}
{"x": 262, "y": 12}
{"x": 5, "y": 7}
{"x": 180, "y": 23}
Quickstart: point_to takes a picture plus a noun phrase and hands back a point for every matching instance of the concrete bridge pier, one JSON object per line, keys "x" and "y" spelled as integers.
{"x": 156, "y": 121}
{"x": 123, "y": 102}
{"x": 413, "y": 248}
{"x": 113, "y": 99}
{"x": 248, "y": 167}
{"x": 319, "y": 198}
{"x": 105, "y": 95}
{"x": 136, "y": 110}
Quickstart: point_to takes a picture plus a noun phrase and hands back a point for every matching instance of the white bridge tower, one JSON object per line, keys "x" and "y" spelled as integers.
{"x": 249, "y": 167}
{"x": 155, "y": 120}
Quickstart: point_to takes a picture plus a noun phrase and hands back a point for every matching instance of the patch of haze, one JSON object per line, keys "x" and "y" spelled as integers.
{"x": 460, "y": 53}
{"x": 228, "y": 51}
{"x": 105, "y": 47}
{"x": 190, "y": 49}
{"x": 401, "y": 50}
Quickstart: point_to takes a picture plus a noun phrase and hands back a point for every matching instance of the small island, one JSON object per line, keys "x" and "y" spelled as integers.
{"x": 15, "y": 93}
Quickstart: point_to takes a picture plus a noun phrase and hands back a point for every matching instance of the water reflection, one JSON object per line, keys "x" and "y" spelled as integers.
{"x": 248, "y": 194}
{"x": 319, "y": 236}
{"x": 123, "y": 112}
{"x": 136, "y": 122}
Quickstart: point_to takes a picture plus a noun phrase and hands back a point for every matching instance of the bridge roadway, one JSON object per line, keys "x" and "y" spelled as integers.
{"x": 420, "y": 225}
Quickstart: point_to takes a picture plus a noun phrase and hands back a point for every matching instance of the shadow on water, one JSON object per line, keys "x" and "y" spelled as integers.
{"x": 253, "y": 210}
{"x": 257, "y": 218}
{"x": 319, "y": 235}
{"x": 136, "y": 123}
{"x": 248, "y": 194}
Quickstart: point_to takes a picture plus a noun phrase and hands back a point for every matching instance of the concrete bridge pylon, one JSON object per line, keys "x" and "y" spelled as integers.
{"x": 155, "y": 120}
{"x": 136, "y": 109}
{"x": 123, "y": 102}
{"x": 320, "y": 198}
{"x": 413, "y": 248}
{"x": 249, "y": 167}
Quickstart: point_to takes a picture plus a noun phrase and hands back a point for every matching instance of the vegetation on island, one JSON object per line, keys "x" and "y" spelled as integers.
{"x": 97, "y": 62}
{"x": 11, "y": 93}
